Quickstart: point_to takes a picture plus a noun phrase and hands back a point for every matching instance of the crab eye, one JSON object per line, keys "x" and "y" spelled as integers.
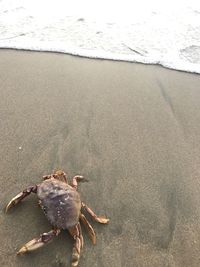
{"x": 45, "y": 177}
{"x": 59, "y": 173}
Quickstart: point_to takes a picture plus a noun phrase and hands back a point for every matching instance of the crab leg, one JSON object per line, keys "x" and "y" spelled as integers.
{"x": 38, "y": 242}
{"x": 76, "y": 234}
{"x": 89, "y": 228}
{"x": 20, "y": 196}
{"x": 94, "y": 216}
{"x": 76, "y": 179}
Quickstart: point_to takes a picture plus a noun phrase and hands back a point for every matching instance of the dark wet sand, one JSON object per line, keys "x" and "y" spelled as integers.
{"x": 133, "y": 130}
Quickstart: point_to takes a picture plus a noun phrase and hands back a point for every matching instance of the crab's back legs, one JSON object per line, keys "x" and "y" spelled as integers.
{"x": 38, "y": 242}
{"x": 94, "y": 216}
{"x": 77, "y": 235}
{"x": 89, "y": 228}
{"x": 20, "y": 196}
{"x": 76, "y": 179}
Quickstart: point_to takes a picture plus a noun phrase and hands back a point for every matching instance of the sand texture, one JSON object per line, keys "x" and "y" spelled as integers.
{"x": 133, "y": 130}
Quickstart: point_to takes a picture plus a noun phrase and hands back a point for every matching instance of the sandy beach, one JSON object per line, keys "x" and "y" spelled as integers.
{"x": 133, "y": 130}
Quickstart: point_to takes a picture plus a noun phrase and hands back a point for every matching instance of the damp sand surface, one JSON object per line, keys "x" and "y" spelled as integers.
{"x": 133, "y": 130}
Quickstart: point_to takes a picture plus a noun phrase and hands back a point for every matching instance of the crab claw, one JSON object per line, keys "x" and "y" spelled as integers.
{"x": 14, "y": 201}
{"x": 38, "y": 242}
{"x": 31, "y": 245}
{"x": 21, "y": 196}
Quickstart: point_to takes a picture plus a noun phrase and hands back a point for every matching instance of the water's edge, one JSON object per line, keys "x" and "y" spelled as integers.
{"x": 93, "y": 56}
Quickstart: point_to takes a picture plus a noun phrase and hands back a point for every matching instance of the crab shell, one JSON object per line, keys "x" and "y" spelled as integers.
{"x": 60, "y": 203}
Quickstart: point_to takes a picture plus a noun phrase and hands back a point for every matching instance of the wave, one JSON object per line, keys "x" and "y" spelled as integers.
{"x": 170, "y": 38}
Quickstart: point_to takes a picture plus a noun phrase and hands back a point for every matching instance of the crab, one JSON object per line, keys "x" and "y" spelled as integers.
{"x": 63, "y": 207}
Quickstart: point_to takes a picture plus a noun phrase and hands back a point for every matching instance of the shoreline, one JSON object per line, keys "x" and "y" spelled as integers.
{"x": 133, "y": 130}
{"x": 97, "y": 58}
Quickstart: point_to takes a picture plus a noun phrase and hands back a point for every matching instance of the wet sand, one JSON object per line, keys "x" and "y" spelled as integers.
{"x": 133, "y": 130}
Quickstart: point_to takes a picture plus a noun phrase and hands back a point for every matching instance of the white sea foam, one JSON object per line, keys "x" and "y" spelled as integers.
{"x": 150, "y": 32}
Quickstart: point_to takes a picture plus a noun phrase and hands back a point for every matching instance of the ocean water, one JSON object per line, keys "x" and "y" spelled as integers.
{"x": 150, "y": 32}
